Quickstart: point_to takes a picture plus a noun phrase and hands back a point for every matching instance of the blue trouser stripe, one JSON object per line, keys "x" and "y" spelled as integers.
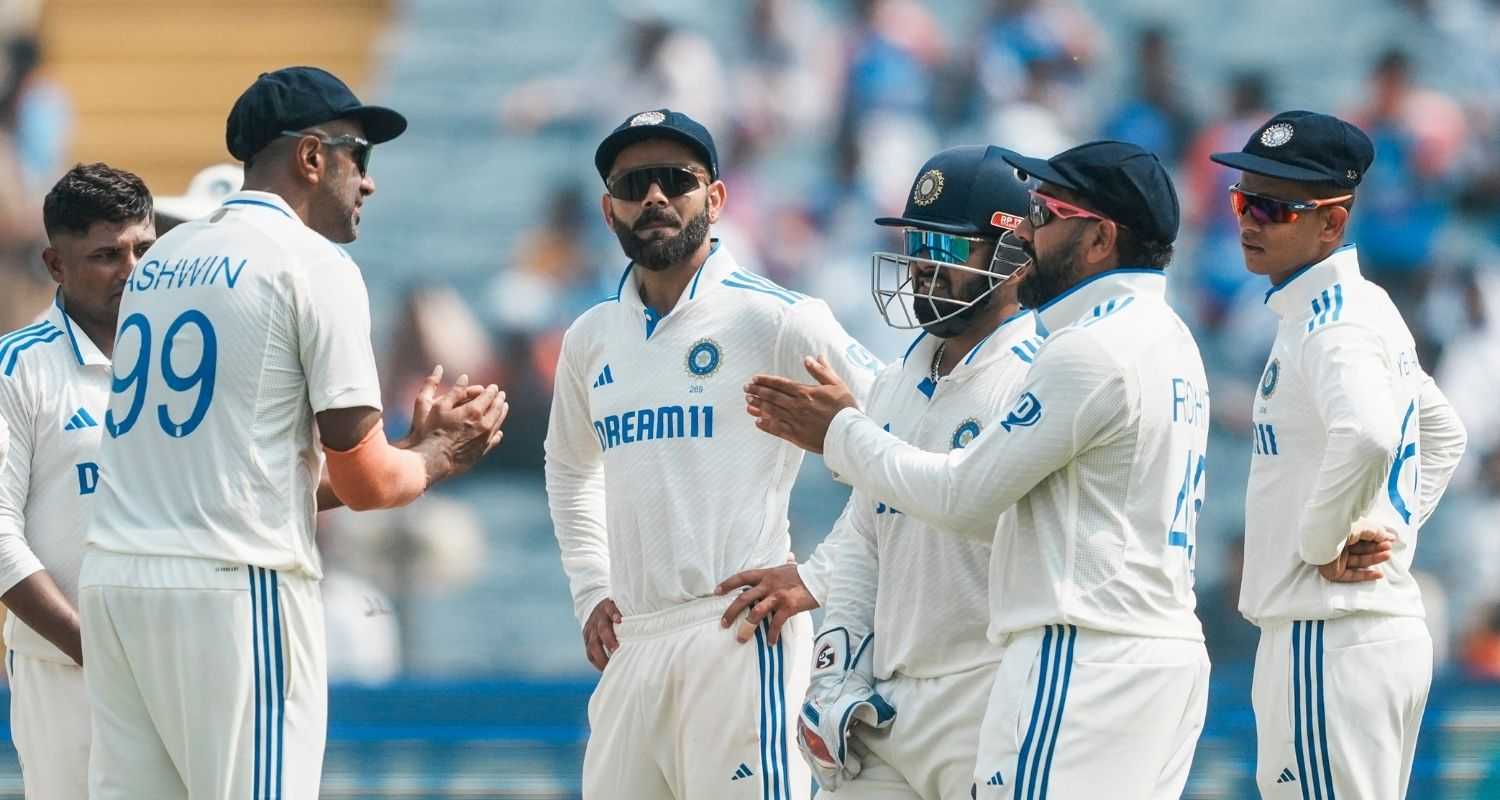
{"x": 1062, "y": 700}
{"x": 1309, "y": 711}
{"x": 1322, "y": 713}
{"x": 765, "y": 773}
{"x": 1297, "y": 706}
{"x": 782, "y": 767}
{"x": 1036, "y": 710}
{"x": 280, "y": 679}
{"x": 255, "y": 661}
{"x": 1047, "y": 719}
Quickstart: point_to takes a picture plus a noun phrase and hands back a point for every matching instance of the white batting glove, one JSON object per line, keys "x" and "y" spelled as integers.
{"x": 841, "y": 693}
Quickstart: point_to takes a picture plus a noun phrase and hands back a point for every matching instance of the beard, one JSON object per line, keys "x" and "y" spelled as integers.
{"x": 659, "y": 254}
{"x": 928, "y": 311}
{"x": 1051, "y": 275}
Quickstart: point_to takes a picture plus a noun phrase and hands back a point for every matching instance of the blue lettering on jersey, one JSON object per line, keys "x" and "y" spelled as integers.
{"x": 158, "y": 274}
{"x": 1028, "y": 412}
{"x": 88, "y": 477}
{"x": 653, "y": 424}
{"x": 1263, "y": 442}
{"x": 1404, "y": 452}
{"x": 1189, "y": 404}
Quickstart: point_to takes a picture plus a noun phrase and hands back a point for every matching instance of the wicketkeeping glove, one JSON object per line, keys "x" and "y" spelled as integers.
{"x": 841, "y": 693}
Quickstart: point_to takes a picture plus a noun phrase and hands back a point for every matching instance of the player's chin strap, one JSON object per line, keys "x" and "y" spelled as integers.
{"x": 841, "y": 693}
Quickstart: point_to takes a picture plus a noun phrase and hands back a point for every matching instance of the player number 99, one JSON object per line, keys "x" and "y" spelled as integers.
{"x": 134, "y": 382}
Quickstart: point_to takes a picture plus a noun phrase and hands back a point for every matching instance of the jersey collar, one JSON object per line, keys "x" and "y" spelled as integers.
{"x": 917, "y": 362}
{"x": 1292, "y": 295}
{"x": 718, "y": 266}
{"x": 265, "y": 201}
{"x": 84, "y": 350}
{"x": 1068, "y": 307}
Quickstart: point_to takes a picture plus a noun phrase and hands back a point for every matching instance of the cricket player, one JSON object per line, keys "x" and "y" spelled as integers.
{"x": 54, "y": 386}
{"x": 1102, "y": 690}
{"x": 659, "y": 488}
{"x": 238, "y": 332}
{"x": 1352, "y": 440}
{"x": 911, "y": 605}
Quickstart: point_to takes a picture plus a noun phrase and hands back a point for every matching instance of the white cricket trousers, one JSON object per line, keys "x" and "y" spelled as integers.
{"x": 49, "y": 724}
{"x": 208, "y": 679}
{"x": 928, "y": 751}
{"x": 685, "y": 712}
{"x": 1078, "y": 713}
{"x": 1338, "y": 704}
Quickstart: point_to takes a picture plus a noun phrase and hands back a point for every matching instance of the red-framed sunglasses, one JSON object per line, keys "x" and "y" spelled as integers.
{"x": 1268, "y": 210}
{"x": 1045, "y": 208}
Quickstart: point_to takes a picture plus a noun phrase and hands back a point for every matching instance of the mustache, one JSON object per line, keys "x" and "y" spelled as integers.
{"x": 655, "y": 216}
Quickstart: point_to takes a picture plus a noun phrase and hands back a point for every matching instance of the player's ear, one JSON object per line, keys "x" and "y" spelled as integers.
{"x": 53, "y": 260}
{"x": 718, "y": 194}
{"x": 1334, "y": 223}
{"x": 608, "y": 209}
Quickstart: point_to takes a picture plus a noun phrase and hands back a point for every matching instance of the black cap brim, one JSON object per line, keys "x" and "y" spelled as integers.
{"x": 1041, "y": 170}
{"x": 959, "y": 228}
{"x": 604, "y": 157}
{"x": 1260, "y": 165}
{"x": 381, "y": 124}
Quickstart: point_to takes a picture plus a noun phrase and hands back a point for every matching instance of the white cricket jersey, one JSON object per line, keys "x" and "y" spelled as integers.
{"x": 924, "y": 594}
{"x": 54, "y": 385}
{"x": 1102, "y": 454}
{"x": 659, "y": 483}
{"x": 235, "y": 330}
{"x": 1346, "y": 425}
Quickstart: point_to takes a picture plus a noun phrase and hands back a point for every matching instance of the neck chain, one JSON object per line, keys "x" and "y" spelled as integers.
{"x": 937, "y": 359}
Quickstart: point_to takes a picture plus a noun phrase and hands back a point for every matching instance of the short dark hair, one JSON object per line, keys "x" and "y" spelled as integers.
{"x": 1136, "y": 251}
{"x": 90, "y": 193}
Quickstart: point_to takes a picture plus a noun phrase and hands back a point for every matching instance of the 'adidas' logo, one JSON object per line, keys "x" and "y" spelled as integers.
{"x": 80, "y": 420}
{"x": 744, "y": 771}
{"x": 995, "y": 780}
{"x": 605, "y": 378}
{"x": 1286, "y": 777}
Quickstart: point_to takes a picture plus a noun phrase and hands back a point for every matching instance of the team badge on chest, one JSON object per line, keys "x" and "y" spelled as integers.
{"x": 704, "y": 358}
{"x": 1268, "y": 381}
{"x": 966, "y": 432}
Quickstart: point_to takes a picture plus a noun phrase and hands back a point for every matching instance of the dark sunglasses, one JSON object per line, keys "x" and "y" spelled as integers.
{"x": 934, "y": 246}
{"x": 1268, "y": 210}
{"x": 1045, "y": 208}
{"x": 633, "y": 186}
{"x": 359, "y": 149}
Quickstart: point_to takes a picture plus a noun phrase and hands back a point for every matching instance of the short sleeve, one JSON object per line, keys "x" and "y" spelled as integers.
{"x": 333, "y": 334}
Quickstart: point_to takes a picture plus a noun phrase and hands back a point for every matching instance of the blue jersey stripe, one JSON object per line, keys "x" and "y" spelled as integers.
{"x": 15, "y": 344}
{"x": 761, "y": 280}
{"x": 245, "y": 201}
{"x": 21, "y": 333}
{"x": 1072, "y": 634}
{"x": 786, "y": 298}
{"x": 41, "y": 338}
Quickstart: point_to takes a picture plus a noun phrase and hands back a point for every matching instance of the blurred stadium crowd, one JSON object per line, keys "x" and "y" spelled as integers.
{"x": 822, "y": 111}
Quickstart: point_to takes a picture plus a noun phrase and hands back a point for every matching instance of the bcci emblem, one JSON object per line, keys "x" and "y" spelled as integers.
{"x": 703, "y": 358}
{"x": 1268, "y": 381}
{"x": 1276, "y": 135}
{"x": 966, "y": 432}
{"x": 928, "y": 187}
{"x": 648, "y": 118}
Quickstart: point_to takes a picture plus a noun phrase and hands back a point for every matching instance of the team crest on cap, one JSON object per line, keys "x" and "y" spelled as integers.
{"x": 648, "y": 118}
{"x": 1276, "y": 135}
{"x": 928, "y": 187}
{"x": 966, "y": 432}
{"x": 1352, "y": 174}
{"x": 703, "y": 358}
{"x": 1268, "y": 381}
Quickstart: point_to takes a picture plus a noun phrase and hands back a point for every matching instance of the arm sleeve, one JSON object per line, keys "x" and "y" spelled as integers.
{"x": 1443, "y": 441}
{"x": 854, "y": 570}
{"x": 575, "y": 487}
{"x": 813, "y": 331}
{"x": 1347, "y": 367}
{"x": 1075, "y": 397}
{"x": 333, "y": 337}
{"x": 17, "y": 561}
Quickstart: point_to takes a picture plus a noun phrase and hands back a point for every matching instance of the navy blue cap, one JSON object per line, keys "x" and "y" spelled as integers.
{"x": 967, "y": 190}
{"x": 658, "y": 124}
{"x": 294, "y": 98}
{"x": 1305, "y": 146}
{"x": 1117, "y": 179}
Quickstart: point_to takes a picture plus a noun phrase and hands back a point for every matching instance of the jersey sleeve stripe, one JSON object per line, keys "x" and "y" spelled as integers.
{"x": 40, "y": 338}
